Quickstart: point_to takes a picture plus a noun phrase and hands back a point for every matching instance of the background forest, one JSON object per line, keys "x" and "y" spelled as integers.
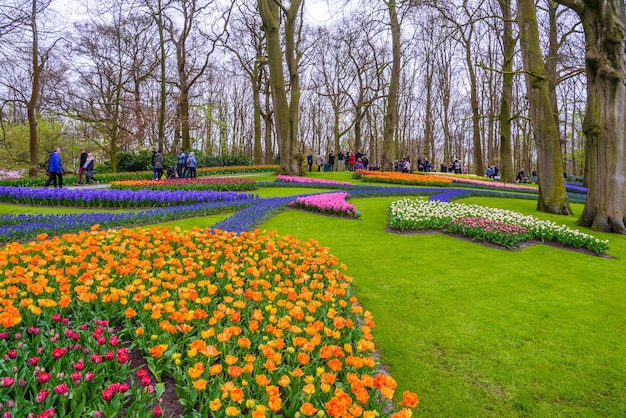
{"x": 129, "y": 75}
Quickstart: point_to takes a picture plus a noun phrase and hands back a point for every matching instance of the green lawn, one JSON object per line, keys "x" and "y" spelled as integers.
{"x": 477, "y": 331}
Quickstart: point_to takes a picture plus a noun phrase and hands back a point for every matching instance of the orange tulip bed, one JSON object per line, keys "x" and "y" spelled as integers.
{"x": 394, "y": 177}
{"x": 200, "y": 183}
{"x": 249, "y": 324}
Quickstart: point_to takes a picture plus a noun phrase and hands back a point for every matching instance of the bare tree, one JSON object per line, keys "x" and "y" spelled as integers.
{"x": 285, "y": 110}
{"x": 248, "y": 46}
{"x": 193, "y": 48}
{"x": 24, "y": 17}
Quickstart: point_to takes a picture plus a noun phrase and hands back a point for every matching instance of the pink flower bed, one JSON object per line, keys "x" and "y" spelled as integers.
{"x": 489, "y": 183}
{"x": 321, "y": 182}
{"x": 330, "y": 203}
{"x": 11, "y": 174}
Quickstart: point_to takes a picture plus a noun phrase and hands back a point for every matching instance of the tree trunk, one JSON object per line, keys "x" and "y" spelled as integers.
{"x": 162, "y": 98}
{"x": 552, "y": 194}
{"x": 285, "y": 111}
{"x": 476, "y": 141}
{"x": 34, "y": 95}
{"x": 256, "y": 102}
{"x": 604, "y": 125}
{"x": 391, "y": 115}
{"x": 507, "y": 170}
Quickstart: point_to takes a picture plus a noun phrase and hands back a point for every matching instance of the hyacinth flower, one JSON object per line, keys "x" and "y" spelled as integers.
{"x": 113, "y": 198}
{"x": 20, "y": 227}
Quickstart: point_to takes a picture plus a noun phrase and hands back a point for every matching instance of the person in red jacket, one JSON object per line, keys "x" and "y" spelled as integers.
{"x": 351, "y": 161}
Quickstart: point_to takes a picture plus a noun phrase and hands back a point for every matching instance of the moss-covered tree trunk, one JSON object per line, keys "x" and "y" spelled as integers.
{"x": 286, "y": 110}
{"x": 552, "y": 193}
{"x": 604, "y": 23}
{"x": 507, "y": 171}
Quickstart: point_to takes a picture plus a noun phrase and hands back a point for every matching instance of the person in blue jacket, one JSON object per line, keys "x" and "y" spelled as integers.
{"x": 55, "y": 169}
{"x": 191, "y": 165}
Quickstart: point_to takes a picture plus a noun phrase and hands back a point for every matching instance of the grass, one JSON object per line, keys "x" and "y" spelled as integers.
{"x": 477, "y": 331}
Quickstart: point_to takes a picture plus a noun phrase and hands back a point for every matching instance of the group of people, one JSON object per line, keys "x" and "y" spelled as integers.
{"x": 492, "y": 172}
{"x": 86, "y": 165}
{"x": 349, "y": 160}
{"x": 186, "y": 165}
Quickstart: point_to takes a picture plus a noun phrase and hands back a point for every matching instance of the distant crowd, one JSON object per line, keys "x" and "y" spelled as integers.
{"x": 345, "y": 161}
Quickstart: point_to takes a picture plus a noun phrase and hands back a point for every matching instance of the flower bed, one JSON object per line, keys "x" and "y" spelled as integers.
{"x": 305, "y": 180}
{"x": 54, "y": 365}
{"x": 503, "y": 227}
{"x": 247, "y": 325}
{"x": 25, "y": 227}
{"x": 143, "y": 175}
{"x": 112, "y": 198}
{"x": 197, "y": 184}
{"x": 402, "y": 178}
{"x": 328, "y": 203}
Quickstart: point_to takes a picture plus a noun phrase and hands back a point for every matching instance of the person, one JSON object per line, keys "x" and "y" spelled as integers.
{"x": 181, "y": 158}
{"x": 456, "y": 165}
{"x": 351, "y": 161}
{"x": 420, "y": 164}
{"x": 365, "y": 161}
{"x": 309, "y": 160}
{"x": 521, "y": 176}
{"x": 191, "y": 165}
{"x": 319, "y": 161}
{"x": 55, "y": 169}
{"x": 489, "y": 172}
{"x": 406, "y": 166}
{"x": 81, "y": 165}
{"x": 331, "y": 161}
{"x": 443, "y": 167}
{"x": 159, "y": 165}
{"x": 359, "y": 164}
{"x": 340, "y": 160}
{"x": 88, "y": 167}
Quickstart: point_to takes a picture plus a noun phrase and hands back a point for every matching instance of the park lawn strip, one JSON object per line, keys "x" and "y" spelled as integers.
{"x": 480, "y": 331}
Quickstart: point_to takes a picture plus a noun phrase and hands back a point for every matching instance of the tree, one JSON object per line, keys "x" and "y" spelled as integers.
{"x": 552, "y": 193}
{"x": 507, "y": 172}
{"x": 604, "y": 126}
{"x": 465, "y": 34}
{"x": 391, "y": 113}
{"x": 156, "y": 11}
{"x": 27, "y": 15}
{"x": 193, "y": 50}
{"x": 285, "y": 110}
{"x": 248, "y": 46}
